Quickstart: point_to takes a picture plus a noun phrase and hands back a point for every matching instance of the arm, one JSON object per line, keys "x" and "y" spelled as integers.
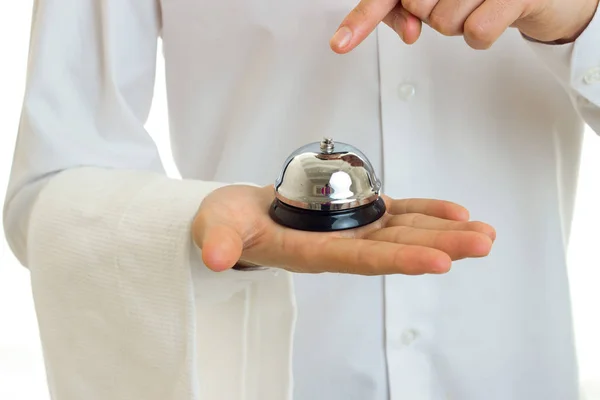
{"x": 577, "y": 67}
{"x": 89, "y": 210}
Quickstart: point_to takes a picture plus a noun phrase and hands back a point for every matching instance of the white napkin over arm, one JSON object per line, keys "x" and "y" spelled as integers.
{"x": 126, "y": 309}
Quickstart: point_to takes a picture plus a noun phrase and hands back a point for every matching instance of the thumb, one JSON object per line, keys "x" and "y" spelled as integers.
{"x": 221, "y": 247}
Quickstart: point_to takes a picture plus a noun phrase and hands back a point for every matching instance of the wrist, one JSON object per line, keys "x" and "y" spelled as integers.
{"x": 586, "y": 15}
{"x": 564, "y": 34}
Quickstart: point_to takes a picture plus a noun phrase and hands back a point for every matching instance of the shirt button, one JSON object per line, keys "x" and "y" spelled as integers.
{"x": 408, "y": 336}
{"x": 592, "y": 76}
{"x": 275, "y": 272}
{"x": 406, "y": 91}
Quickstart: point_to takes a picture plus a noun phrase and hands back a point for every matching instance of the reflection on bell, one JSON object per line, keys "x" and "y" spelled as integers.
{"x": 325, "y": 187}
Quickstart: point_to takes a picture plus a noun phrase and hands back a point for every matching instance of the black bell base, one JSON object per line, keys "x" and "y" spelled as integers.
{"x": 325, "y": 221}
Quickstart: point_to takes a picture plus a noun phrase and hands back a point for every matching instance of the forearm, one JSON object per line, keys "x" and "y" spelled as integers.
{"x": 121, "y": 295}
{"x": 125, "y": 217}
{"x": 106, "y": 282}
{"x": 114, "y": 271}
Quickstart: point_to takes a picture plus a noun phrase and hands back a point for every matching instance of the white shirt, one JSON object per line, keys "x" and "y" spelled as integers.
{"x": 127, "y": 310}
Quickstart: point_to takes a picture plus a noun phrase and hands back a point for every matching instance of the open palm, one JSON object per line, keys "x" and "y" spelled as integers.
{"x": 415, "y": 236}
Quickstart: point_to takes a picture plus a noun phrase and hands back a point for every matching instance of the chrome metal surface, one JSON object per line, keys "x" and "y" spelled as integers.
{"x": 327, "y": 176}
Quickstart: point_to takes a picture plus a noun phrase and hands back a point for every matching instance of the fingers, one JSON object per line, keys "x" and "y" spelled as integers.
{"x": 448, "y": 16}
{"x": 422, "y": 221}
{"x": 406, "y": 25}
{"x": 456, "y": 244}
{"x": 365, "y": 257}
{"x": 420, "y": 8}
{"x": 487, "y": 23}
{"x": 359, "y": 23}
{"x": 365, "y": 17}
{"x": 435, "y": 208}
{"x": 481, "y": 22}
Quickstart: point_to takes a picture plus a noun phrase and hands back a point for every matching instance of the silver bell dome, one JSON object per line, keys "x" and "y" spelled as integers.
{"x": 328, "y": 180}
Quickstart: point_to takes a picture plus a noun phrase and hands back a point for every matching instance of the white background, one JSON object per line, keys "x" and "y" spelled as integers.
{"x": 21, "y": 364}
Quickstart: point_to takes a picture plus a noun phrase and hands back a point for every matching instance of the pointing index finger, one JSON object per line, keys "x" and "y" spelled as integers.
{"x": 359, "y": 23}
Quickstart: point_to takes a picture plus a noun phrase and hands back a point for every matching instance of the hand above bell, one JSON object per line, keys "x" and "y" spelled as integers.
{"x": 415, "y": 236}
{"x": 480, "y": 22}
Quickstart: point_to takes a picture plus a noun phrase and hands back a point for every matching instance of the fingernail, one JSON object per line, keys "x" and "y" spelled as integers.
{"x": 342, "y": 37}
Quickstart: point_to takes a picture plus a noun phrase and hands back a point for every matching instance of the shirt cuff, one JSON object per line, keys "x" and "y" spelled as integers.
{"x": 577, "y": 64}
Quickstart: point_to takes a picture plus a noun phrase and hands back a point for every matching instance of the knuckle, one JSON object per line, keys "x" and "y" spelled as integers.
{"x": 475, "y": 30}
{"x": 399, "y": 261}
{"x": 477, "y": 36}
{"x": 408, "y": 205}
{"x": 363, "y": 263}
{"x": 443, "y": 25}
{"x": 439, "y": 241}
{"x": 415, "y": 7}
{"x": 399, "y": 233}
{"x": 399, "y": 220}
{"x": 413, "y": 219}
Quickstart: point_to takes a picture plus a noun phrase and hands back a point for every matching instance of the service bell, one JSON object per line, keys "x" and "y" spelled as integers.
{"x": 325, "y": 187}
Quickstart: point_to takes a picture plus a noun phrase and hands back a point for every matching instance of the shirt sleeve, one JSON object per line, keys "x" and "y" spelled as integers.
{"x": 90, "y": 211}
{"x": 577, "y": 67}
